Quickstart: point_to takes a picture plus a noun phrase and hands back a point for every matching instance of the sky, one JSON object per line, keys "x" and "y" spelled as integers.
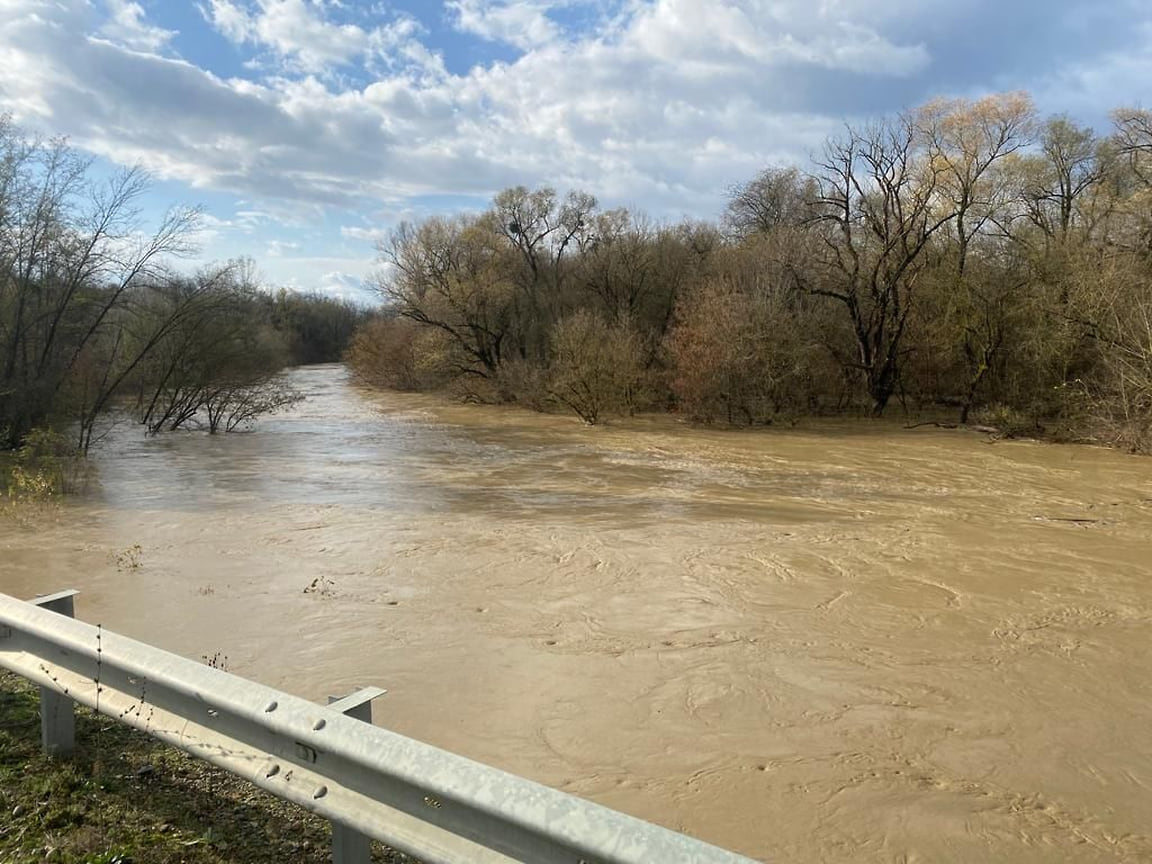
{"x": 307, "y": 129}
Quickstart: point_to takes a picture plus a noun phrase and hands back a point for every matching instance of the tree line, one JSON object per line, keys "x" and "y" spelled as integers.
{"x": 97, "y": 315}
{"x": 966, "y": 256}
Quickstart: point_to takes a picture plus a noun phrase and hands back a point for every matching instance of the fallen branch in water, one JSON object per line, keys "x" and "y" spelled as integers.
{"x": 987, "y": 430}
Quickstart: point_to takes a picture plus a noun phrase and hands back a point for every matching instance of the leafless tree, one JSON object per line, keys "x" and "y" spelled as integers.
{"x": 876, "y": 218}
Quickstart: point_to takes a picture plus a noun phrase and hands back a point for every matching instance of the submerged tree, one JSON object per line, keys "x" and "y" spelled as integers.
{"x": 214, "y": 356}
{"x": 72, "y": 255}
{"x": 93, "y": 313}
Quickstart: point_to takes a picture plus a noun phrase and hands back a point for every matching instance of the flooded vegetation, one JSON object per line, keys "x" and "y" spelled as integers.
{"x": 839, "y": 642}
{"x": 965, "y": 257}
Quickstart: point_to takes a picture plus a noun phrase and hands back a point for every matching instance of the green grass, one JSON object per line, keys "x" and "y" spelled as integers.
{"x": 127, "y": 799}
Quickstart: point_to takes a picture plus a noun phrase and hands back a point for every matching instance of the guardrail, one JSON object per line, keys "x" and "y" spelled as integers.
{"x": 369, "y": 782}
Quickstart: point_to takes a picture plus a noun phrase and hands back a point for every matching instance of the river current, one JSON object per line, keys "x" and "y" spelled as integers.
{"x": 836, "y": 643}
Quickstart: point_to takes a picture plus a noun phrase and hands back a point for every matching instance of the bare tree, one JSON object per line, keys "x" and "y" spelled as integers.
{"x": 451, "y": 274}
{"x": 967, "y": 143}
{"x": 235, "y": 405}
{"x": 744, "y": 347}
{"x": 72, "y": 251}
{"x": 877, "y": 215}
{"x": 1133, "y": 139}
{"x": 543, "y": 230}
{"x": 1062, "y": 176}
{"x": 597, "y": 366}
{"x": 974, "y": 147}
{"x": 211, "y": 355}
{"x": 776, "y": 197}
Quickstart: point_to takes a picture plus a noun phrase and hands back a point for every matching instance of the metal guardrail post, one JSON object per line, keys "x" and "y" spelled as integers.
{"x": 349, "y": 846}
{"x": 57, "y": 711}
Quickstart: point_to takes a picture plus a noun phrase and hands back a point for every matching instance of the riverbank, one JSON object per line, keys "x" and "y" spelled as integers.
{"x": 995, "y": 423}
{"x": 127, "y": 799}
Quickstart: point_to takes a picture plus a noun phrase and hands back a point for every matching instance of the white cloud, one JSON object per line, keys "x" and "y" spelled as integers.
{"x": 340, "y": 277}
{"x": 525, "y": 25}
{"x": 302, "y": 39}
{"x": 281, "y": 248}
{"x": 364, "y": 235}
{"x": 346, "y": 286}
{"x": 713, "y": 38}
{"x": 659, "y": 103}
{"x": 210, "y": 229}
{"x": 126, "y": 25}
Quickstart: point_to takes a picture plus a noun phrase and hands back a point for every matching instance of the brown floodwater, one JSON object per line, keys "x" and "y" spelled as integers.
{"x": 849, "y": 642}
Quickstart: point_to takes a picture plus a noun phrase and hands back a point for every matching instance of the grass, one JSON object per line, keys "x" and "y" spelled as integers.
{"x": 125, "y": 798}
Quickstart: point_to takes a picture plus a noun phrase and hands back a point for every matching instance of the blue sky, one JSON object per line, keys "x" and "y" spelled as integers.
{"x": 308, "y": 128}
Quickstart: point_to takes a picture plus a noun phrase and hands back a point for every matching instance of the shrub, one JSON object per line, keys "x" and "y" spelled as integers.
{"x": 596, "y": 368}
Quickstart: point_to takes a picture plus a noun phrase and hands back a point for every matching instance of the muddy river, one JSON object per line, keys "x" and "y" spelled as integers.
{"x": 842, "y": 643}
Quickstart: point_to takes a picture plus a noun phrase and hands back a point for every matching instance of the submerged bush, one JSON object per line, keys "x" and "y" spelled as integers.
{"x": 47, "y": 464}
{"x": 596, "y": 367}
